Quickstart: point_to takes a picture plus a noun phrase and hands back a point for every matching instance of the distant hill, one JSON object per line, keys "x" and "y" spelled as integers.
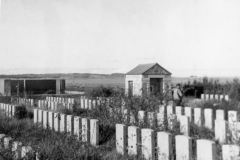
{"x": 66, "y": 75}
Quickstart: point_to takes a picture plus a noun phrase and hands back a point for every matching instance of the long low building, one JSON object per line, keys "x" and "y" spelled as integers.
{"x": 16, "y": 86}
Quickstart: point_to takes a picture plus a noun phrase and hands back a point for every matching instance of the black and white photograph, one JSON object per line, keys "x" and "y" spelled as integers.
{"x": 119, "y": 79}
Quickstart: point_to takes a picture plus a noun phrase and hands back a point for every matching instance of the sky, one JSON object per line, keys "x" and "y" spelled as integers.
{"x": 187, "y": 37}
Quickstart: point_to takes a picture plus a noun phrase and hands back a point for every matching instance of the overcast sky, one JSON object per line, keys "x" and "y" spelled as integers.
{"x": 187, "y": 37}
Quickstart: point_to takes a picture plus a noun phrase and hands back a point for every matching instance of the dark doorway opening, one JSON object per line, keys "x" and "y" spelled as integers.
{"x": 130, "y": 88}
{"x": 156, "y": 86}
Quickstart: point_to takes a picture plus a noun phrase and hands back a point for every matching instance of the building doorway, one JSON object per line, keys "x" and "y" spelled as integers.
{"x": 130, "y": 88}
{"x": 156, "y": 87}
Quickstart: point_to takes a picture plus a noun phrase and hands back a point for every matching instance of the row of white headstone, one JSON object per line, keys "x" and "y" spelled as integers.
{"x": 8, "y": 109}
{"x": 81, "y": 101}
{"x": 60, "y": 99}
{"x": 134, "y": 141}
{"x": 219, "y": 125}
{"x": 25, "y": 101}
{"x": 19, "y": 151}
{"x": 85, "y": 129}
{"x": 218, "y": 97}
{"x": 52, "y": 105}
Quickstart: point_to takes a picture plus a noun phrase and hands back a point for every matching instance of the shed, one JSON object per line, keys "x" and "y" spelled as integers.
{"x": 15, "y": 86}
{"x": 146, "y": 78}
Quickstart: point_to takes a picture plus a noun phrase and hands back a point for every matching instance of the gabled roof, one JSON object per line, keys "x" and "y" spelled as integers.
{"x": 142, "y": 68}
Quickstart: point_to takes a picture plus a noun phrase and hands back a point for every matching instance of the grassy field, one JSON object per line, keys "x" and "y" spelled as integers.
{"x": 87, "y": 83}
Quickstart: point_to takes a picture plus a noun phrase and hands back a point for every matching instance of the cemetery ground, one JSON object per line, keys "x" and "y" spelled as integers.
{"x": 54, "y": 145}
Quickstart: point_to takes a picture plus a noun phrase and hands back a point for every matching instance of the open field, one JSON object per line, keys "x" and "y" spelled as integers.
{"x": 80, "y": 83}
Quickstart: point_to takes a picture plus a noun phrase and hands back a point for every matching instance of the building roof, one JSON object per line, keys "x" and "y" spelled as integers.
{"x": 141, "y": 69}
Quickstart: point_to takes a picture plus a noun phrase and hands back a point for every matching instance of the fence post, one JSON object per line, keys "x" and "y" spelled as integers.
{"x": 148, "y": 148}
{"x": 183, "y": 147}
{"x": 206, "y": 150}
{"x": 121, "y": 138}
{"x": 164, "y": 146}
{"x": 94, "y": 132}
{"x": 230, "y": 152}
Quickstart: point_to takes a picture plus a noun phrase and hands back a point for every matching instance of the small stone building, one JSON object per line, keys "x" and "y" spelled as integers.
{"x": 146, "y": 78}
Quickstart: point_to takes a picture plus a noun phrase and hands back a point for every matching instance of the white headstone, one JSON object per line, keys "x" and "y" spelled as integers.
{"x": 169, "y": 110}
{"x": 206, "y": 150}
{"x": 62, "y": 123}
{"x": 206, "y": 96}
{"x": 6, "y": 142}
{"x": 198, "y": 116}
{"x": 221, "y": 97}
{"x": 40, "y": 116}
{"x": 230, "y": 152}
{"x": 232, "y": 116}
{"x": 226, "y": 97}
{"x": 25, "y": 151}
{"x": 188, "y": 112}
{"x": 151, "y": 119}
{"x": 94, "y": 132}
{"x": 183, "y": 147}
{"x": 85, "y": 130}
{"x": 184, "y": 125}
{"x": 178, "y": 112}
{"x": 77, "y": 126}
{"x": 121, "y": 138}
{"x": 50, "y": 119}
{"x": 161, "y": 109}
{"x": 172, "y": 120}
{"x": 16, "y": 149}
{"x": 221, "y": 130}
{"x": 133, "y": 140}
{"x": 56, "y": 121}
{"x": 211, "y": 96}
{"x": 86, "y": 104}
{"x": 45, "y": 119}
{"x": 70, "y": 124}
{"x": 164, "y": 146}
{"x": 148, "y": 149}
{"x": 141, "y": 117}
{"x": 220, "y": 114}
{"x": 208, "y": 118}
{"x": 160, "y": 120}
{"x": 202, "y": 96}
{"x": 35, "y": 115}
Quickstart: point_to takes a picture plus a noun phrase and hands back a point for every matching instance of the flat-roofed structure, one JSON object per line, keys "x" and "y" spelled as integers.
{"x": 146, "y": 78}
{"x": 18, "y": 86}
